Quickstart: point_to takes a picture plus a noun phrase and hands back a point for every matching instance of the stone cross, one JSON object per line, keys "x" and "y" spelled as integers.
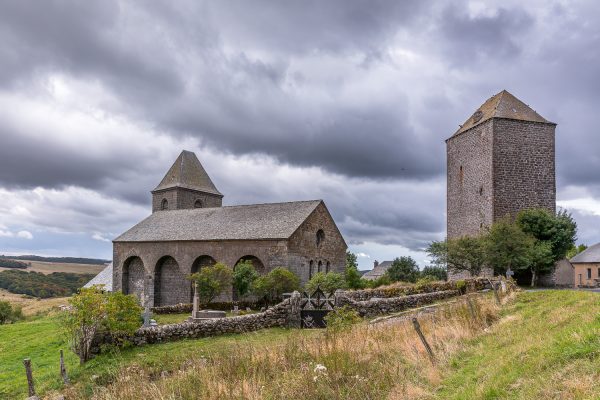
{"x": 146, "y": 311}
{"x": 196, "y": 305}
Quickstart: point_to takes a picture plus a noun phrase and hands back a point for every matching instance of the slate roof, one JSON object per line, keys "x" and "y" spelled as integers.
{"x": 589, "y": 255}
{"x": 247, "y": 222}
{"x": 104, "y": 277}
{"x": 187, "y": 172}
{"x": 378, "y": 271}
{"x": 502, "y": 105}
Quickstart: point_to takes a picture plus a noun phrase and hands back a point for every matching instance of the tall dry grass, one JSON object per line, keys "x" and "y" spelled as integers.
{"x": 377, "y": 361}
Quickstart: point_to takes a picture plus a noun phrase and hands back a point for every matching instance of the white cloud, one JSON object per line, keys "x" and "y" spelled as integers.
{"x": 363, "y": 255}
{"x": 25, "y": 235}
{"x": 98, "y": 236}
{"x": 5, "y": 233}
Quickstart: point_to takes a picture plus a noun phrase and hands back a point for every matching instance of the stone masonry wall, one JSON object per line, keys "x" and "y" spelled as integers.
{"x": 524, "y": 170}
{"x": 181, "y": 198}
{"x": 469, "y": 181}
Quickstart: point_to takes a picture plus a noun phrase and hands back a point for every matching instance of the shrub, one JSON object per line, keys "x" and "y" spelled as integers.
{"x": 94, "y": 311}
{"x": 403, "y": 269}
{"x": 272, "y": 286}
{"x": 9, "y": 313}
{"x": 244, "y": 276}
{"x": 438, "y": 272}
{"x": 341, "y": 319}
{"x": 328, "y": 282}
{"x": 381, "y": 281}
{"x": 212, "y": 281}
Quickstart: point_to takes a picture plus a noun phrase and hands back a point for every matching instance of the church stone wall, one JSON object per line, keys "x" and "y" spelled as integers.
{"x": 524, "y": 174}
{"x": 303, "y": 246}
{"x": 469, "y": 181}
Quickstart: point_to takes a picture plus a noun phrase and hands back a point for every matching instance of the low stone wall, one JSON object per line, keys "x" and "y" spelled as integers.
{"x": 221, "y": 306}
{"x": 468, "y": 285}
{"x": 374, "y": 307}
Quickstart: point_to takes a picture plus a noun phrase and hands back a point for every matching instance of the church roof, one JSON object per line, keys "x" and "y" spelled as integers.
{"x": 502, "y": 105}
{"x": 187, "y": 172}
{"x": 589, "y": 255}
{"x": 247, "y": 222}
{"x": 104, "y": 277}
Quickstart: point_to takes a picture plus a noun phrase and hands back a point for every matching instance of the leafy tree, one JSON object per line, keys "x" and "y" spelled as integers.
{"x": 277, "y": 282}
{"x": 351, "y": 274}
{"x": 508, "y": 247}
{"x": 244, "y": 276}
{"x": 9, "y": 313}
{"x": 328, "y": 282}
{"x": 466, "y": 253}
{"x": 540, "y": 259}
{"x": 559, "y": 230}
{"x": 93, "y": 311}
{"x": 403, "y": 269}
{"x": 211, "y": 281}
{"x": 574, "y": 250}
{"x": 437, "y": 272}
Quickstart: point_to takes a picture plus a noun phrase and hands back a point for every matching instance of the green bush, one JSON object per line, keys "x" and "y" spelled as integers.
{"x": 328, "y": 282}
{"x": 244, "y": 276}
{"x": 272, "y": 286}
{"x": 9, "y": 313}
{"x": 341, "y": 318}
{"x": 212, "y": 281}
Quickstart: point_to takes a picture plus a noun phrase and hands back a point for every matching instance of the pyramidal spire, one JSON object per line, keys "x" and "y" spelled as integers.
{"x": 502, "y": 105}
{"x": 187, "y": 172}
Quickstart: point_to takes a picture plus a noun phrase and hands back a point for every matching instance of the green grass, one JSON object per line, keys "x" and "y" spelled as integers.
{"x": 546, "y": 346}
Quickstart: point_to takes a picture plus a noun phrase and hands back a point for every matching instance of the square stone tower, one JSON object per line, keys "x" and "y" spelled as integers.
{"x": 499, "y": 162}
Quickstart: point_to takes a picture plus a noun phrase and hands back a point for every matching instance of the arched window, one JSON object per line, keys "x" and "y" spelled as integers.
{"x": 461, "y": 174}
{"x": 164, "y": 205}
{"x": 320, "y": 237}
{"x": 310, "y": 269}
{"x": 198, "y": 204}
{"x": 320, "y": 266}
{"x": 327, "y": 266}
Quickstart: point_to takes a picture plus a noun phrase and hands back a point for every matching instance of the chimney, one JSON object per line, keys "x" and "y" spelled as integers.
{"x": 375, "y": 264}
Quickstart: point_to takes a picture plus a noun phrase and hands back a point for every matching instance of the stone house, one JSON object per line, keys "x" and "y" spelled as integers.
{"x": 499, "y": 162}
{"x": 190, "y": 229}
{"x": 586, "y": 267}
{"x": 379, "y": 269}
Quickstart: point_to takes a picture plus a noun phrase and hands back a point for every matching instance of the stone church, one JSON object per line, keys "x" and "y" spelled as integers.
{"x": 189, "y": 228}
{"x": 499, "y": 162}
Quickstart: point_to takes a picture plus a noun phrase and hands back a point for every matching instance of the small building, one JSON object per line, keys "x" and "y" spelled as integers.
{"x": 586, "y": 267}
{"x": 379, "y": 269}
{"x": 104, "y": 278}
{"x": 189, "y": 229}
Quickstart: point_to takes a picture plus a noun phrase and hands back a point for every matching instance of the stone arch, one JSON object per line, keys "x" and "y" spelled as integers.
{"x": 256, "y": 263}
{"x": 199, "y": 263}
{"x": 170, "y": 285}
{"x": 320, "y": 266}
{"x": 320, "y": 237}
{"x": 327, "y": 267}
{"x": 133, "y": 277}
{"x": 198, "y": 204}
{"x": 164, "y": 204}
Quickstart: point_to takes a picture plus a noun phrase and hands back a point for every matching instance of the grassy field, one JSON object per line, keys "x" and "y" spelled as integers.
{"x": 539, "y": 345}
{"x": 49, "y": 267}
{"x": 31, "y": 305}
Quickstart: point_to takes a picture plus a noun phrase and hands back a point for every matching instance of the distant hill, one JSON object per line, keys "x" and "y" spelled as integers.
{"x": 64, "y": 260}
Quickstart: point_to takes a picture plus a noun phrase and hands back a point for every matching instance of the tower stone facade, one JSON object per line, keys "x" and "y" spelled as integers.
{"x": 499, "y": 162}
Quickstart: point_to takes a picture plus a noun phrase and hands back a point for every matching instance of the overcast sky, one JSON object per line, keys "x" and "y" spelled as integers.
{"x": 348, "y": 101}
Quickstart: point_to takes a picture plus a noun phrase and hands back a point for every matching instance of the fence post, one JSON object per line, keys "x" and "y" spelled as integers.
{"x": 27, "y": 363}
{"x": 63, "y": 369}
{"x": 471, "y": 308}
{"x": 423, "y": 340}
{"x": 495, "y": 292}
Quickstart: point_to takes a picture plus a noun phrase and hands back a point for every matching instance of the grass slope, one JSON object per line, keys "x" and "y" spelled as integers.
{"x": 546, "y": 346}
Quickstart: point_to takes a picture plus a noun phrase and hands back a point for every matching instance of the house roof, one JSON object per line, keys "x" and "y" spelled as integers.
{"x": 104, "y": 277}
{"x": 187, "y": 172}
{"x": 589, "y": 255}
{"x": 502, "y": 105}
{"x": 378, "y": 271}
{"x": 247, "y": 222}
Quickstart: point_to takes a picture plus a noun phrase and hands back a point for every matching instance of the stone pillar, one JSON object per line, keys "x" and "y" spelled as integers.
{"x": 294, "y": 318}
{"x": 196, "y": 303}
{"x": 146, "y": 311}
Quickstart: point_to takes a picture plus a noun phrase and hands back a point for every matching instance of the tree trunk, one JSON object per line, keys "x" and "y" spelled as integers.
{"x": 533, "y": 278}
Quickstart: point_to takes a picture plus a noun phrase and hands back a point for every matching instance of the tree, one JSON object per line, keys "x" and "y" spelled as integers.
{"x": 574, "y": 250}
{"x": 540, "y": 259}
{"x": 244, "y": 276}
{"x": 466, "y": 253}
{"x": 328, "y": 282}
{"x": 559, "y": 230}
{"x": 277, "y": 282}
{"x": 508, "y": 247}
{"x": 351, "y": 274}
{"x": 212, "y": 281}
{"x": 438, "y": 273}
{"x": 93, "y": 311}
{"x": 9, "y": 313}
{"x": 403, "y": 269}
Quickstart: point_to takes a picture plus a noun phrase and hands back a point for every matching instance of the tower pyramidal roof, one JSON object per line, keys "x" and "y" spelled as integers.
{"x": 502, "y": 105}
{"x": 187, "y": 172}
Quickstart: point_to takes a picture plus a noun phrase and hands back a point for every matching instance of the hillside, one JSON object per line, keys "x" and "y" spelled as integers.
{"x": 46, "y": 267}
{"x": 62, "y": 260}
{"x": 542, "y": 344}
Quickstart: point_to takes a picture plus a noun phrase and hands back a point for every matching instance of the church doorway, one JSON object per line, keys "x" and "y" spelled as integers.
{"x": 256, "y": 263}
{"x": 199, "y": 263}
{"x": 133, "y": 277}
{"x": 169, "y": 283}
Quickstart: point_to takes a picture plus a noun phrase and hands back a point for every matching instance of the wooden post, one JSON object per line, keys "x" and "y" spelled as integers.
{"x": 423, "y": 340}
{"x": 63, "y": 369}
{"x": 471, "y": 308}
{"x": 27, "y": 363}
{"x": 495, "y": 292}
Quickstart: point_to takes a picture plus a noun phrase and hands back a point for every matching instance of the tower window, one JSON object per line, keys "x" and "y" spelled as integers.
{"x": 461, "y": 174}
{"x": 164, "y": 205}
{"x": 481, "y": 190}
{"x": 320, "y": 237}
{"x": 198, "y": 204}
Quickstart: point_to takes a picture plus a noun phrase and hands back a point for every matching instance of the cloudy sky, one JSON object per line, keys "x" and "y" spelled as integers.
{"x": 349, "y": 101}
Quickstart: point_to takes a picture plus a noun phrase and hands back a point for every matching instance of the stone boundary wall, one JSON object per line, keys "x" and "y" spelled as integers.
{"x": 470, "y": 285}
{"x": 375, "y": 307}
{"x": 221, "y": 306}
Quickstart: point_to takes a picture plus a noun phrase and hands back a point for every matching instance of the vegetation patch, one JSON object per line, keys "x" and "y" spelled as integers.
{"x": 56, "y": 284}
